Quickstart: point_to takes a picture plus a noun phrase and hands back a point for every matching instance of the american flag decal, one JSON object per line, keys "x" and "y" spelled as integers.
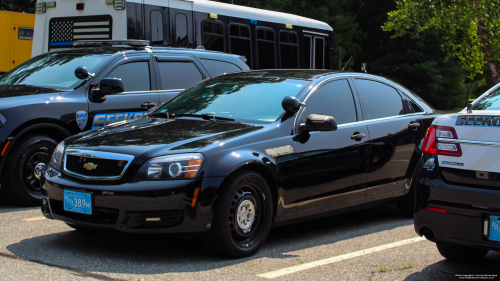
{"x": 63, "y": 31}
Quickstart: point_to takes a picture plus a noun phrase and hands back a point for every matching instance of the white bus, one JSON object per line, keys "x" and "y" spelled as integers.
{"x": 267, "y": 39}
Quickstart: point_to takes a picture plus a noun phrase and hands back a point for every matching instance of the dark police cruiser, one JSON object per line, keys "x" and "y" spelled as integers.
{"x": 458, "y": 203}
{"x": 238, "y": 153}
{"x": 42, "y": 101}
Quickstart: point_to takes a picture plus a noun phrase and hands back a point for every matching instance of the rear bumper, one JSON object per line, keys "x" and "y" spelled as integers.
{"x": 137, "y": 207}
{"x": 467, "y": 209}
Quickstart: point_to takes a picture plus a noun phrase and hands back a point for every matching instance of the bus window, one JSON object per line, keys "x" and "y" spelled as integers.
{"x": 156, "y": 27}
{"x": 319, "y": 53}
{"x": 213, "y": 35}
{"x": 308, "y": 51}
{"x": 239, "y": 41}
{"x": 181, "y": 27}
{"x": 266, "y": 53}
{"x": 288, "y": 49}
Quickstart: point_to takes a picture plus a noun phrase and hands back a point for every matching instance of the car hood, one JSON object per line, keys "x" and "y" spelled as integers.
{"x": 155, "y": 136}
{"x": 18, "y": 93}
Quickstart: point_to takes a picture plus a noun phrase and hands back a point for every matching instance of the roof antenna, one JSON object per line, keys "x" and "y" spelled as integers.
{"x": 347, "y": 63}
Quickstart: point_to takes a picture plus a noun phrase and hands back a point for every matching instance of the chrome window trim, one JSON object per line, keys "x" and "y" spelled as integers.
{"x": 392, "y": 117}
{"x": 483, "y": 143}
{"x": 99, "y": 155}
{"x": 315, "y": 33}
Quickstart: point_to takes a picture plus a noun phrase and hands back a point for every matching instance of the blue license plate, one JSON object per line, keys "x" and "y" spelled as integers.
{"x": 494, "y": 228}
{"x": 78, "y": 202}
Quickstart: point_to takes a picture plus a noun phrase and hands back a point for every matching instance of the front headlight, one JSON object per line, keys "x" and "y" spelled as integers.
{"x": 178, "y": 166}
{"x": 57, "y": 157}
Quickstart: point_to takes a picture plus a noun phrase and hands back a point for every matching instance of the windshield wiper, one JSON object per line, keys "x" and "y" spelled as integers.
{"x": 206, "y": 116}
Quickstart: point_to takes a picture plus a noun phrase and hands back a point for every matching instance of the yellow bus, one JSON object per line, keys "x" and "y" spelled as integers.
{"x": 16, "y": 35}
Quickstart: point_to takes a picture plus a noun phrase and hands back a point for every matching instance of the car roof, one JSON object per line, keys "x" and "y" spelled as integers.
{"x": 111, "y": 50}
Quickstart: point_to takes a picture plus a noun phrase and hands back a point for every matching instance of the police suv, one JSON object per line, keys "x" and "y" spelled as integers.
{"x": 55, "y": 95}
{"x": 458, "y": 190}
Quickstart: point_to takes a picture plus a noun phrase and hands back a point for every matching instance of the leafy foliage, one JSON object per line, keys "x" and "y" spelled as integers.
{"x": 27, "y": 6}
{"x": 459, "y": 23}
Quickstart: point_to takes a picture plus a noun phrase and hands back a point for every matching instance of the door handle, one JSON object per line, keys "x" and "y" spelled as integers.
{"x": 358, "y": 136}
{"x": 414, "y": 125}
{"x": 148, "y": 105}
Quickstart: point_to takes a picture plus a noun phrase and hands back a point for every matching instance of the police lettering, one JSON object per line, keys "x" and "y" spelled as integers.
{"x": 478, "y": 120}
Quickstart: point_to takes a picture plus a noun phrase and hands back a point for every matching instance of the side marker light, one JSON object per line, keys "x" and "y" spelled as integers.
{"x": 195, "y": 196}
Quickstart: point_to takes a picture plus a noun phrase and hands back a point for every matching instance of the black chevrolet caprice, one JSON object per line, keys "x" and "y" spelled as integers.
{"x": 236, "y": 154}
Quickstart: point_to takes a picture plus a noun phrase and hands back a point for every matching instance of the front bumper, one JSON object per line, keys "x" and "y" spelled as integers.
{"x": 467, "y": 209}
{"x": 137, "y": 207}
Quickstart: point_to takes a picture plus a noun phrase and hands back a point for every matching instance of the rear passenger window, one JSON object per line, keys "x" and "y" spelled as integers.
{"x": 217, "y": 67}
{"x": 178, "y": 75}
{"x": 288, "y": 49}
{"x": 333, "y": 99}
{"x": 415, "y": 106}
{"x": 134, "y": 75}
{"x": 266, "y": 55}
{"x": 213, "y": 35}
{"x": 379, "y": 100}
{"x": 239, "y": 41}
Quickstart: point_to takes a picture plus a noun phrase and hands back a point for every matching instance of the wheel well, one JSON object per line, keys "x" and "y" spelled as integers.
{"x": 268, "y": 176}
{"x": 51, "y": 127}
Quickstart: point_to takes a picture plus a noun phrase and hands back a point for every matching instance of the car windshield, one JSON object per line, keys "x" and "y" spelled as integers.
{"x": 489, "y": 102}
{"x": 244, "y": 99}
{"x": 51, "y": 70}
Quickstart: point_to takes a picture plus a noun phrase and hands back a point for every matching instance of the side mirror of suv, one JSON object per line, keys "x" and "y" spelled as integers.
{"x": 315, "y": 122}
{"x": 107, "y": 86}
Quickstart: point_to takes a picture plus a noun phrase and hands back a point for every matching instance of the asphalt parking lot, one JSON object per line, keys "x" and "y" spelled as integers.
{"x": 375, "y": 244}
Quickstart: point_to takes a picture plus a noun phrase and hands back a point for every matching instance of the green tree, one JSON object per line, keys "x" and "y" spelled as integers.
{"x": 27, "y": 6}
{"x": 468, "y": 29}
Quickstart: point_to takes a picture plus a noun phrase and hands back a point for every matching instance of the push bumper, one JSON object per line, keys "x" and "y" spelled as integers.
{"x": 137, "y": 207}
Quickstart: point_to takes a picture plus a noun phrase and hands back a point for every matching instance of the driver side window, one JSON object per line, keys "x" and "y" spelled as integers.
{"x": 134, "y": 75}
{"x": 333, "y": 99}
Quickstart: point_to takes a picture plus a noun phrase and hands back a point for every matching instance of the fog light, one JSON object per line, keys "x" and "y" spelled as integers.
{"x": 174, "y": 169}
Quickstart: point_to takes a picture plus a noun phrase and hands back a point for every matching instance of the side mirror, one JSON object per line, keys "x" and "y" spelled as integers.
{"x": 291, "y": 105}
{"x": 82, "y": 72}
{"x": 315, "y": 122}
{"x": 110, "y": 86}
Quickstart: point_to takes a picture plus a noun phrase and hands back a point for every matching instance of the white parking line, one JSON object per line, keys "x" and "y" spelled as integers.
{"x": 34, "y": 219}
{"x": 297, "y": 268}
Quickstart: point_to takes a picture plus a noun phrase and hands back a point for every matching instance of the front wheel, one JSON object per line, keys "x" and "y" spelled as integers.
{"x": 242, "y": 216}
{"x": 19, "y": 183}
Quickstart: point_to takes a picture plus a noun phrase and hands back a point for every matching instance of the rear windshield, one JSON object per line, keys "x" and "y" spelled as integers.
{"x": 489, "y": 102}
{"x": 51, "y": 70}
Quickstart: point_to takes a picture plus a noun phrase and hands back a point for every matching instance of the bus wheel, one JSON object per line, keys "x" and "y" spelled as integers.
{"x": 19, "y": 184}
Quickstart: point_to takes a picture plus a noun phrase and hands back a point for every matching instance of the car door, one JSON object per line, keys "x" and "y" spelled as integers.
{"x": 332, "y": 164}
{"x": 176, "y": 73}
{"x": 394, "y": 134}
{"x": 138, "y": 77}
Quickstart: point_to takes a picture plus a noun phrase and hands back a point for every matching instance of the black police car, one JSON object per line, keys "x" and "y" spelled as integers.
{"x": 42, "y": 102}
{"x": 238, "y": 153}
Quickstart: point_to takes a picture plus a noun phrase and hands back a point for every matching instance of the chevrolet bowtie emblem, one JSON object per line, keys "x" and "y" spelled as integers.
{"x": 89, "y": 166}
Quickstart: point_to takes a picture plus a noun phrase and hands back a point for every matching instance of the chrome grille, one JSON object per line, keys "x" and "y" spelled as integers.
{"x": 96, "y": 165}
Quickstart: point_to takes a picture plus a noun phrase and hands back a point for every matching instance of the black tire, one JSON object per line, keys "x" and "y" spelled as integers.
{"x": 241, "y": 191}
{"x": 19, "y": 184}
{"x": 455, "y": 252}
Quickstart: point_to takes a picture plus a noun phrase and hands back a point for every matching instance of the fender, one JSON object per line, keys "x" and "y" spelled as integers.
{"x": 28, "y": 129}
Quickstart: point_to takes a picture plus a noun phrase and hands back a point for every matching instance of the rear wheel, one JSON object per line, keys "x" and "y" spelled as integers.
{"x": 242, "y": 216}
{"x": 19, "y": 183}
{"x": 455, "y": 252}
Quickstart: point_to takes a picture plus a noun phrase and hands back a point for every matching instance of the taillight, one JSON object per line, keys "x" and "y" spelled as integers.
{"x": 435, "y": 144}
{"x": 436, "y": 209}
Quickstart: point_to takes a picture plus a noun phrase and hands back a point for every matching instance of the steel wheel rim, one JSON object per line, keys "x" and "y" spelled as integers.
{"x": 246, "y": 236}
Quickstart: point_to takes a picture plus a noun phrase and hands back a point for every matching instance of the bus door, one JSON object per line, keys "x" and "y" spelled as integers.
{"x": 156, "y": 23}
{"x": 181, "y": 24}
{"x": 315, "y": 51}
